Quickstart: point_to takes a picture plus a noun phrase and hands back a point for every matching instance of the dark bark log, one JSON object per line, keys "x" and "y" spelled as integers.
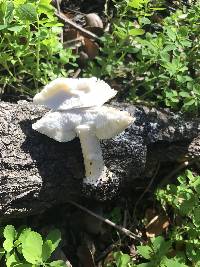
{"x": 37, "y": 172}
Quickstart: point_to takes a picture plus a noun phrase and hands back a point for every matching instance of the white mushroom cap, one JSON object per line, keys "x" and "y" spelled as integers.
{"x": 69, "y": 93}
{"x": 106, "y": 122}
{"x": 110, "y": 122}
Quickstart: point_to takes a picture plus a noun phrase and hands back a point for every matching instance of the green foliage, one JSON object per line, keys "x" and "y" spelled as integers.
{"x": 30, "y": 47}
{"x": 157, "y": 254}
{"x": 182, "y": 248}
{"x": 160, "y": 65}
{"x": 113, "y": 61}
{"x": 185, "y": 200}
{"x": 120, "y": 260}
{"x": 167, "y": 62}
{"x": 26, "y": 248}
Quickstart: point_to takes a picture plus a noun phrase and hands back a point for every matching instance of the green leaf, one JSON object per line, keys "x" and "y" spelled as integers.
{"x": 157, "y": 242}
{"x": 144, "y": 21}
{"x": 54, "y": 23}
{"x": 22, "y": 265}
{"x": 22, "y": 236}
{"x": 165, "y": 55}
{"x": 196, "y": 216}
{"x": 8, "y": 245}
{"x": 58, "y": 263}
{"x": 187, "y": 201}
{"x": 189, "y": 102}
{"x": 19, "y": 2}
{"x": 2, "y": 252}
{"x": 160, "y": 246}
{"x": 196, "y": 185}
{"x": 184, "y": 94}
{"x": 8, "y": 15}
{"x": 9, "y": 232}
{"x": 2, "y": 27}
{"x": 27, "y": 12}
{"x": 12, "y": 260}
{"x": 135, "y": 32}
{"x": 47, "y": 250}
{"x": 137, "y": 3}
{"x": 45, "y": 7}
{"x": 55, "y": 237}
{"x": 144, "y": 251}
{"x": 121, "y": 259}
{"x": 44, "y": 3}
{"x": 147, "y": 264}
{"x": 193, "y": 252}
{"x": 32, "y": 248}
{"x": 172, "y": 263}
{"x": 190, "y": 175}
{"x": 16, "y": 28}
{"x": 171, "y": 32}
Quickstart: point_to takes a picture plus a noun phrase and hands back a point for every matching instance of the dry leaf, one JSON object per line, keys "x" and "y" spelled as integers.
{"x": 90, "y": 48}
{"x": 156, "y": 223}
{"x": 72, "y": 39}
{"x": 70, "y": 34}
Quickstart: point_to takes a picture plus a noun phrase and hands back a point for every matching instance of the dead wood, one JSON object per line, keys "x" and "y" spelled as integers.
{"x": 37, "y": 172}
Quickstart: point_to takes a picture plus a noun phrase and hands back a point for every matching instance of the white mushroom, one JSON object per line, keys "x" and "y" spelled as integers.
{"x": 79, "y": 112}
{"x": 68, "y": 93}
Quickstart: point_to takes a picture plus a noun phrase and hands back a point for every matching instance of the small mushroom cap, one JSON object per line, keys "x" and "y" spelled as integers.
{"x": 69, "y": 93}
{"x": 105, "y": 122}
{"x": 57, "y": 125}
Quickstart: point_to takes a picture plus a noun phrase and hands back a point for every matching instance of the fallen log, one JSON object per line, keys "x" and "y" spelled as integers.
{"x": 37, "y": 172}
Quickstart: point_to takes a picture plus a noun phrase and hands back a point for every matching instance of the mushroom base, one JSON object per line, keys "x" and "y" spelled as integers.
{"x": 102, "y": 189}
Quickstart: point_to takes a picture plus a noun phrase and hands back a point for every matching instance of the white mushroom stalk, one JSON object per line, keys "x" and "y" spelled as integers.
{"x": 95, "y": 169}
{"x": 77, "y": 110}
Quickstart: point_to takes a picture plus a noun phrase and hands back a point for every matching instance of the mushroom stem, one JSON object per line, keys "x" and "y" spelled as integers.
{"x": 92, "y": 154}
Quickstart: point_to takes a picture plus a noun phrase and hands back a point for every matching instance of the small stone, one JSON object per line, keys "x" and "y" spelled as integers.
{"x": 93, "y": 20}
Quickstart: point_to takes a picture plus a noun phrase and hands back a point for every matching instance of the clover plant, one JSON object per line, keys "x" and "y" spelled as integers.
{"x": 30, "y": 46}
{"x": 27, "y": 248}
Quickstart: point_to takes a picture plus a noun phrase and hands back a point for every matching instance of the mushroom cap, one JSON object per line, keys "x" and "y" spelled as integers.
{"x": 111, "y": 121}
{"x": 70, "y": 93}
{"x": 106, "y": 122}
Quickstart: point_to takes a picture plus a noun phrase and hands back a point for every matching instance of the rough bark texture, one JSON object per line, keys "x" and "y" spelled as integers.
{"x": 37, "y": 172}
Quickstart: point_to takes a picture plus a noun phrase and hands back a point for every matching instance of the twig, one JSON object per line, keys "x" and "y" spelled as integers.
{"x": 58, "y": 6}
{"x": 118, "y": 227}
{"x": 77, "y": 42}
{"x": 77, "y": 72}
{"x": 76, "y": 26}
{"x": 152, "y": 221}
{"x": 59, "y": 12}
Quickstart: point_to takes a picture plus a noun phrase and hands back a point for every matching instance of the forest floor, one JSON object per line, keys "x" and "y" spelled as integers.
{"x": 86, "y": 240}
